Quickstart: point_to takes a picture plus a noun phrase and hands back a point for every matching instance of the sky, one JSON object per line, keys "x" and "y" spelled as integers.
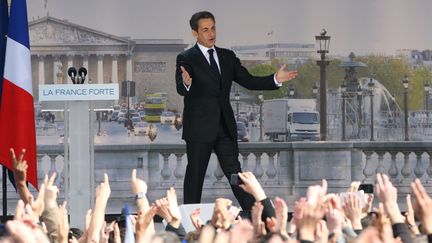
{"x": 361, "y": 26}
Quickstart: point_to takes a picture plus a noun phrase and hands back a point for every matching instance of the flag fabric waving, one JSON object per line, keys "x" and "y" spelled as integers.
{"x": 17, "y": 126}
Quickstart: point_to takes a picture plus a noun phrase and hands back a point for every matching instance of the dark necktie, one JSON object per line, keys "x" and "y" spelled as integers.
{"x": 213, "y": 62}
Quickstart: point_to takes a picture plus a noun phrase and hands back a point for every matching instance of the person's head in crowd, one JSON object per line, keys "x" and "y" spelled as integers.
{"x": 166, "y": 237}
{"x": 75, "y": 232}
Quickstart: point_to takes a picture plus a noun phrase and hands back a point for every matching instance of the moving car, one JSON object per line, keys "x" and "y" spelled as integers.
{"x": 141, "y": 129}
{"x": 167, "y": 117}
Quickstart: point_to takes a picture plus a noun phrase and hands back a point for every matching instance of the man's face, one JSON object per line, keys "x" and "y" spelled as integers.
{"x": 206, "y": 34}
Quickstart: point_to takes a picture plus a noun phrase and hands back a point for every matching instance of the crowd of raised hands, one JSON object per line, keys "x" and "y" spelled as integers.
{"x": 318, "y": 217}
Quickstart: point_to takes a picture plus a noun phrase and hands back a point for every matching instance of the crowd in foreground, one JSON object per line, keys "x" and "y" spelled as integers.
{"x": 317, "y": 217}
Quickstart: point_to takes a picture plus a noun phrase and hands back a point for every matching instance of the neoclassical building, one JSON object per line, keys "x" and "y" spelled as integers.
{"x": 58, "y": 44}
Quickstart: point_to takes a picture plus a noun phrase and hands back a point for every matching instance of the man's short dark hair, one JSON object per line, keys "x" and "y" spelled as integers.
{"x": 193, "y": 22}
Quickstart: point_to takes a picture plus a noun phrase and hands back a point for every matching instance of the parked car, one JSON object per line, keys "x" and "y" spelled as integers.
{"x": 141, "y": 129}
{"x": 242, "y": 133}
{"x": 167, "y": 117}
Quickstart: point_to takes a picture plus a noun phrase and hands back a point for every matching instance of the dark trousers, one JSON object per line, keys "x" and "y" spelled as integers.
{"x": 198, "y": 155}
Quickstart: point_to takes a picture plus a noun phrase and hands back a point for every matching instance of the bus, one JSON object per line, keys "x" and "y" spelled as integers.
{"x": 154, "y": 105}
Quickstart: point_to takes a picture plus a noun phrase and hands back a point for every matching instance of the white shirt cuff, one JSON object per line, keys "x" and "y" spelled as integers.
{"x": 276, "y": 82}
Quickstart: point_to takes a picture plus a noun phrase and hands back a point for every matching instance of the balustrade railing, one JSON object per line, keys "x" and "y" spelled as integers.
{"x": 284, "y": 169}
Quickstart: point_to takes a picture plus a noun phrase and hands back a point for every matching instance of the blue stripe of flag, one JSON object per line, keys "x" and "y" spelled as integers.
{"x": 3, "y": 31}
{"x": 18, "y": 19}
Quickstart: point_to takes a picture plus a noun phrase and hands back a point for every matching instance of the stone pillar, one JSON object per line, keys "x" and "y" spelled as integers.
{"x": 114, "y": 69}
{"x": 41, "y": 69}
{"x": 129, "y": 67}
{"x": 100, "y": 78}
{"x": 86, "y": 62}
{"x": 69, "y": 64}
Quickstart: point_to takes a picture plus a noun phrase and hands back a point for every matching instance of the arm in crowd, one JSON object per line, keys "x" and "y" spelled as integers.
{"x": 252, "y": 186}
{"x": 387, "y": 194}
{"x": 103, "y": 192}
{"x": 20, "y": 174}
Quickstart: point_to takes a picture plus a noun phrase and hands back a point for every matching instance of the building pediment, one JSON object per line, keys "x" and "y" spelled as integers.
{"x": 52, "y": 31}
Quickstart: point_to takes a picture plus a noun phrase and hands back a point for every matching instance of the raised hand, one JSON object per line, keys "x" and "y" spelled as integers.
{"x": 422, "y": 205}
{"x": 387, "y": 194}
{"x": 281, "y": 211}
{"x": 257, "y": 223}
{"x": 174, "y": 209}
{"x": 20, "y": 166}
{"x": 252, "y": 186}
{"x": 196, "y": 220}
{"x": 186, "y": 77}
{"x": 38, "y": 205}
{"x": 138, "y": 185}
{"x": 51, "y": 192}
{"x": 353, "y": 210}
{"x": 282, "y": 75}
{"x": 354, "y": 186}
{"x": 63, "y": 228}
{"x": 163, "y": 209}
{"x": 409, "y": 216}
{"x": 104, "y": 189}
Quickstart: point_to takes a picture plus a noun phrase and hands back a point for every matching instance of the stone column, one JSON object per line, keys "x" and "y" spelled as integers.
{"x": 114, "y": 69}
{"x": 41, "y": 69}
{"x": 100, "y": 78}
{"x": 86, "y": 62}
{"x": 69, "y": 64}
{"x": 129, "y": 67}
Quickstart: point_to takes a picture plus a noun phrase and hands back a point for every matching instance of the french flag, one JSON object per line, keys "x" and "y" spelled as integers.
{"x": 17, "y": 121}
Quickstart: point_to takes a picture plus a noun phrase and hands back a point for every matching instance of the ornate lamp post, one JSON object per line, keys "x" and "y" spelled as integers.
{"x": 371, "y": 87}
{"x": 237, "y": 99}
{"x": 359, "y": 111}
{"x": 427, "y": 89}
{"x": 323, "y": 42}
{"x": 343, "y": 93}
{"x": 405, "y": 82}
{"x": 261, "y": 100}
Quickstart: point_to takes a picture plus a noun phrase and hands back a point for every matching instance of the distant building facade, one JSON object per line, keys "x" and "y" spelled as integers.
{"x": 291, "y": 53}
{"x": 416, "y": 58}
{"x": 58, "y": 44}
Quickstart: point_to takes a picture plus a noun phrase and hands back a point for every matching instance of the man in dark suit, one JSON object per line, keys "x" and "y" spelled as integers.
{"x": 204, "y": 76}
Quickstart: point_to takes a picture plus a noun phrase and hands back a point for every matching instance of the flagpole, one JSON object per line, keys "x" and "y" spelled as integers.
{"x": 4, "y": 17}
{"x": 4, "y": 195}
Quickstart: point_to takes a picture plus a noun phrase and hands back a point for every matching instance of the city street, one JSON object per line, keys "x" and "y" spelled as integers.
{"x": 114, "y": 133}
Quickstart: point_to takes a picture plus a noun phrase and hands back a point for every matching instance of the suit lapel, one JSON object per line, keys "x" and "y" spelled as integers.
{"x": 222, "y": 65}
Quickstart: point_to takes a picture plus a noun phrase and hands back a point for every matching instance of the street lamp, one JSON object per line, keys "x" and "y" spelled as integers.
{"x": 323, "y": 42}
{"x": 237, "y": 99}
{"x": 343, "y": 93}
{"x": 359, "y": 111}
{"x": 405, "y": 82}
{"x": 427, "y": 89}
{"x": 371, "y": 87}
{"x": 261, "y": 100}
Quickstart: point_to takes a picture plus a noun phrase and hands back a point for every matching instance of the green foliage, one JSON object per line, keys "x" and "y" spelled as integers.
{"x": 388, "y": 70}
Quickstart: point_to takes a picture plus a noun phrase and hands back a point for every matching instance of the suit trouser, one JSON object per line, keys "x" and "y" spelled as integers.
{"x": 198, "y": 154}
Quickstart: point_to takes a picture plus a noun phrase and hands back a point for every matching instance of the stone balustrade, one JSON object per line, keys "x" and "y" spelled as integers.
{"x": 284, "y": 169}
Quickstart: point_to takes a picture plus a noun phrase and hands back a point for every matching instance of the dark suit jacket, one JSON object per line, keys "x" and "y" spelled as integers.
{"x": 208, "y": 99}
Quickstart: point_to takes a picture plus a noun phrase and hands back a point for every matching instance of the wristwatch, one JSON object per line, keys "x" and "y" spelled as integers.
{"x": 140, "y": 195}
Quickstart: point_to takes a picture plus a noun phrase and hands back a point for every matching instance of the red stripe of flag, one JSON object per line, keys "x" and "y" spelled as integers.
{"x": 17, "y": 124}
